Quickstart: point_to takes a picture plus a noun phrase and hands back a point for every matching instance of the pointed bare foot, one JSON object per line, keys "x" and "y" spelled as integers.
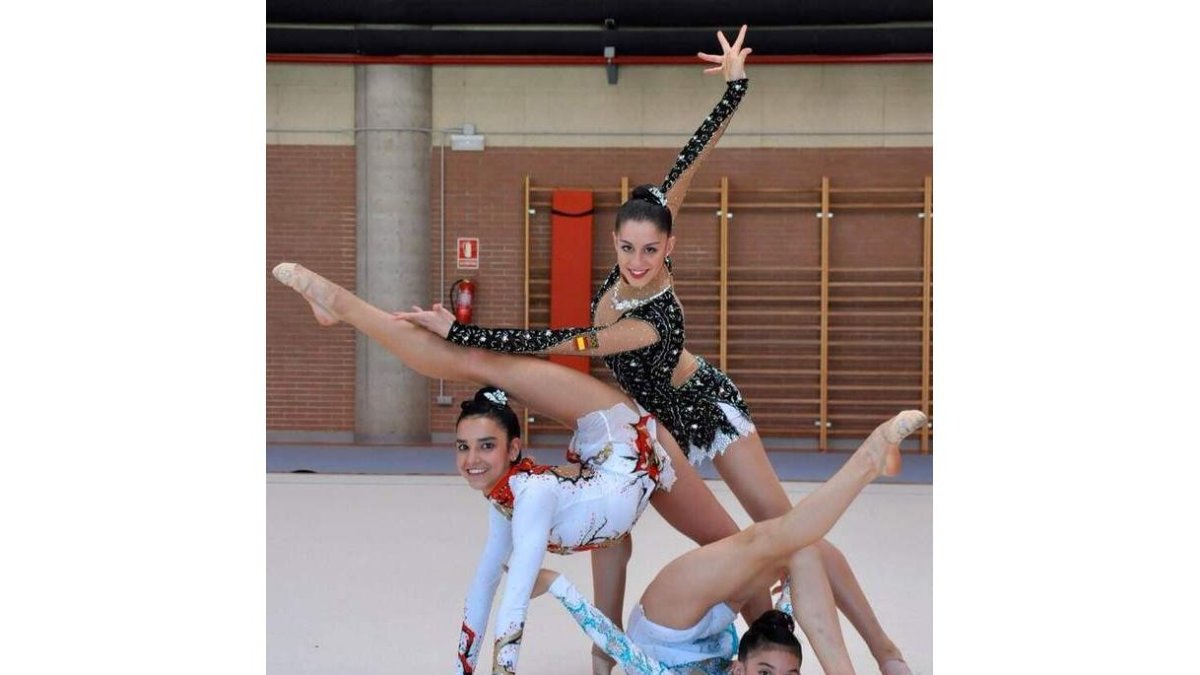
{"x": 883, "y": 445}
{"x": 315, "y": 288}
{"x": 895, "y": 667}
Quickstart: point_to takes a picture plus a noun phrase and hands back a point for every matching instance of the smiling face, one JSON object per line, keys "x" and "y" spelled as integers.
{"x": 642, "y": 251}
{"x": 483, "y": 451}
{"x": 768, "y": 662}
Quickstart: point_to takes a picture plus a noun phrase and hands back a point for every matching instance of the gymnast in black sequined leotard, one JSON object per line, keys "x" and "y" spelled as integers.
{"x": 643, "y": 343}
{"x": 704, "y": 414}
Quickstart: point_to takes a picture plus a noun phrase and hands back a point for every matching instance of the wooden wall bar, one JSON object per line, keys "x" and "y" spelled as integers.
{"x": 723, "y": 214}
{"x": 823, "y": 422}
{"x": 528, "y": 212}
{"x": 927, "y": 313}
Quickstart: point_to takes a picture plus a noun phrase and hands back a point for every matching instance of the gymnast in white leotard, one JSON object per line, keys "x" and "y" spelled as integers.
{"x": 589, "y": 504}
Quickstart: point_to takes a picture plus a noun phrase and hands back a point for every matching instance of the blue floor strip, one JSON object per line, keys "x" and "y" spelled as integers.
{"x": 439, "y": 460}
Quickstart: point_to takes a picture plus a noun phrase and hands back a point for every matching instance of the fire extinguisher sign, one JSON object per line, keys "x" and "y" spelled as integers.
{"x": 468, "y": 253}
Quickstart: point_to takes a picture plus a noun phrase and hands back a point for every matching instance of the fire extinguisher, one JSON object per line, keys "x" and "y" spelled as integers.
{"x": 462, "y": 296}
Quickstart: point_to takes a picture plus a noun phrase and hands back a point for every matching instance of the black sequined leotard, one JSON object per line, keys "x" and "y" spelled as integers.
{"x": 706, "y": 413}
{"x": 692, "y": 412}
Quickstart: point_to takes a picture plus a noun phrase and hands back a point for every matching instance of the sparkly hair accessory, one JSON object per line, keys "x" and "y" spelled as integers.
{"x": 658, "y": 196}
{"x": 497, "y": 398}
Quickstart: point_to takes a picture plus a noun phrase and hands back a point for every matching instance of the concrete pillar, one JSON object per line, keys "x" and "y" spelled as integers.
{"x": 392, "y": 401}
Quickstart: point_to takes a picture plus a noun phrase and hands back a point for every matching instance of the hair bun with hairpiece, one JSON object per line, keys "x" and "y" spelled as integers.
{"x": 649, "y": 193}
{"x": 487, "y": 396}
{"x": 494, "y": 395}
{"x": 492, "y": 402}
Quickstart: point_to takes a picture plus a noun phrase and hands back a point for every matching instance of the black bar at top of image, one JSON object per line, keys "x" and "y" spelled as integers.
{"x": 626, "y": 13}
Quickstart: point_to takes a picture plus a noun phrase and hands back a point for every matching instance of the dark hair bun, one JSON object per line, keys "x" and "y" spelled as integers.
{"x": 773, "y": 630}
{"x": 775, "y": 620}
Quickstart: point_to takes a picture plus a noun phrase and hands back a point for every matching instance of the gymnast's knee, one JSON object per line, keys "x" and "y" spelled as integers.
{"x": 829, "y": 552}
{"x": 763, "y": 539}
{"x": 809, "y": 555}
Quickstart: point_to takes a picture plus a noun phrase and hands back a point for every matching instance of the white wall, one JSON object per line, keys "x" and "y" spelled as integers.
{"x": 854, "y": 105}
{"x": 310, "y": 97}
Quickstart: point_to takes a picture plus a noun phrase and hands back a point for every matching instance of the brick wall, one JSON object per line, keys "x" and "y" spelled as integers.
{"x": 311, "y": 220}
{"x": 311, "y": 214}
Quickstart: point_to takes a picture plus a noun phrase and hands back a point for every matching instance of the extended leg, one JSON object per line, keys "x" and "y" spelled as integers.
{"x": 721, "y": 572}
{"x": 559, "y": 392}
{"x": 747, "y": 471}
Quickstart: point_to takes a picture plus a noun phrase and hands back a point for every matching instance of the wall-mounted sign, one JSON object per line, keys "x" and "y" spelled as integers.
{"x": 468, "y": 253}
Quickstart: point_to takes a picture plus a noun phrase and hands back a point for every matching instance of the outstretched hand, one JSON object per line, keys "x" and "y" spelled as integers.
{"x": 436, "y": 319}
{"x": 732, "y": 62}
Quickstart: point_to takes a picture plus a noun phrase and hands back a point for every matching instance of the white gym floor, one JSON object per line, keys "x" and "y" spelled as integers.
{"x": 366, "y": 574}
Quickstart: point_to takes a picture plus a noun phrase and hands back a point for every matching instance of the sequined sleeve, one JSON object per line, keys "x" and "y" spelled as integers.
{"x": 622, "y": 336}
{"x": 700, "y": 144}
{"x": 483, "y": 588}
{"x": 603, "y": 632}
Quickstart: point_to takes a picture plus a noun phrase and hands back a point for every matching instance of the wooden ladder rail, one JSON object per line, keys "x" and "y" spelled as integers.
{"x": 926, "y": 309}
{"x": 723, "y": 214}
{"x": 528, "y": 212}
{"x": 823, "y": 421}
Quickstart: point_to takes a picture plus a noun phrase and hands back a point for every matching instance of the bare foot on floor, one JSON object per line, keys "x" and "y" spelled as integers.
{"x": 315, "y": 288}
{"x": 883, "y": 445}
